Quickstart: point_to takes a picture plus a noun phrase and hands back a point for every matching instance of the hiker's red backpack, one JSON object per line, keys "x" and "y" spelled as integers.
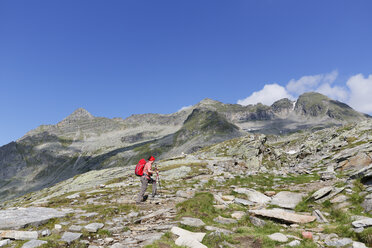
{"x": 139, "y": 167}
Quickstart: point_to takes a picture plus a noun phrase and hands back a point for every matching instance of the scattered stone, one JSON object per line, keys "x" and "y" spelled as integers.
{"x": 238, "y": 215}
{"x": 19, "y": 235}
{"x": 287, "y": 199}
{"x": 58, "y": 227}
{"x": 191, "y": 243}
{"x": 88, "y": 215}
{"x": 270, "y": 193}
{"x": 366, "y": 222}
{"x": 152, "y": 215}
{"x": 223, "y": 220}
{"x": 284, "y": 215}
{"x": 74, "y": 196}
{"x": 4, "y": 242}
{"x": 75, "y": 228}
{"x": 358, "y": 230}
{"x": 190, "y": 235}
{"x": 118, "y": 245}
{"x": 133, "y": 214}
{"x": 338, "y": 199}
{"x": 367, "y": 203}
{"x": 253, "y": 195}
{"x": 93, "y": 227}
{"x": 322, "y": 192}
{"x": 339, "y": 242}
{"x": 185, "y": 194}
{"x": 307, "y": 235}
{"x": 46, "y": 232}
{"x": 319, "y": 216}
{"x": 257, "y": 221}
{"x": 358, "y": 245}
{"x": 192, "y": 222}
{"x": 334, "y": 192}
{"x": 294, "y": 243}
{"x": 70, "y": 236}
{"x": 243, "y": 202}
{"x": 228, "y": 197}
{"x": 220, "y": 206}
{"x": 218, "y": 230}
{"x": 22, "y": 217}
{"x": 34, "y": 243}
{"x": 278, "y": 237}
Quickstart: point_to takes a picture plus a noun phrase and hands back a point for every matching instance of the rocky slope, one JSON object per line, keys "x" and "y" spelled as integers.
{"x": 83, "y": 142}
{"x": 306, "y": 189}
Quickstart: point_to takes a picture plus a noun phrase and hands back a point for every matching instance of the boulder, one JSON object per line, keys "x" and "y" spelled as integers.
{"x": 243, "y": 202}
{"x": 93, "y": 227}
{"x": 253, "y": 195}
{"x": 238, "y": 215}
{"x": 367, "y": 203}
{"x": 22, "y": 217}
{"x": 192, "y": 222}
{"x": 365, "y": 222}
{"x": 191, "y": 243}
{"x": 294, "y": 243}
{"x": 338, "y": 242}
{"x": 358, "y": 245}
{"x": 187, "y": 234}
{"x": 283, "y": 215}
{"x": 286, "y": 199}
{"x": 75, "y": 228}
{"x": 185, "y": 193}
{"x": 257, "y": 221}
{"x": 278, "y": 237}
{"x": 218, "y": 230}
{"x": 4, "y": 242}
{"x": 339, "y": 199}
{"x": 70, "y": 236}
{"x": 319, "y": 216}
{"x": 223, "y": 220}
{"x": 34, "y": 243}
{"x": 19, "y": 235}
{"x": 322, "y": 192}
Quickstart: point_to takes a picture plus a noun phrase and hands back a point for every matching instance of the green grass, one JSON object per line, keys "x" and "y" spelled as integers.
{"x": 365, "y": 236}
{"x": 200, "y": 206}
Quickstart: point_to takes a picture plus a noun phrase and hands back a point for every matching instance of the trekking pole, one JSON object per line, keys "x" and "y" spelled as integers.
{"x": 157, "y": 176}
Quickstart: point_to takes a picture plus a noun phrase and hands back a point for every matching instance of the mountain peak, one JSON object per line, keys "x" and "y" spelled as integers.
{"x": 208, "y": 101}
{"x": 79, "y": 114}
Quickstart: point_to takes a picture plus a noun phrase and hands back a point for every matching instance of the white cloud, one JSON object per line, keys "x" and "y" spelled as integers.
{"x": 184, "y": 108}
{"x": 268, "y": 95}
{"x": 310, "y": 83}
{"x": 360, "y": 93}
{"x": 357, "y": 91}
{"x": 335, "y": 92}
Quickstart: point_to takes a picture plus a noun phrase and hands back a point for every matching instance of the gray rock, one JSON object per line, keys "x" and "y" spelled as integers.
{"x": 19, "y": 235}
{"x": 278, "y": 237}
{"x": 286, "y": 199}
{"x": 367, "y": 203}
{"x": 339, "y": 199}
{"x": 238, "y": 215}
{"x": 152, "y": 215}
{"x": 4, "y": 242}
{"x": 358, "y": 245}
{"x": 192, "y": 222}
{"x": 70, "y": 236}
{"x": 366, "y": 222}
{"x": 34, "y": 243}
{"x": 176, "y": 173}
{"x": 187, "y": 234}
{"x": 149, "y": 238}
{"x": 93, "y": 227}
{"x": 46, "y": 232}
{"x": 75, "y": 228}
{"x": 253, "y": 195}
{"x": 73, "y": 196}
{"x": 338, "y": 242}
{"x": 243, "y": 202}
{"x": 223, "y": 220}
{"x": 22, "y": 217}
{"x": 185, "y": 193}
{"x": 118, "y": 245}
{"x": 257, "y": 221}
{"x": 218, "y": 230}
{"x": 322, "y": 192}
{"x": 284, "y": 215}
{"x": 294, "y": 243}
{"x": 319, "y": 216}
{"x": 358, "y": 230}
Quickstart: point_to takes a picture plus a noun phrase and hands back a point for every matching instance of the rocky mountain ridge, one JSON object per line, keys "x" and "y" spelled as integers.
{"x": 82, "y": 142}
{"x": 306, "y": 189}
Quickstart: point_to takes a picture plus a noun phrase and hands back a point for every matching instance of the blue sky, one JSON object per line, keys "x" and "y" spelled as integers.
{"x": 117, "y": 58}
